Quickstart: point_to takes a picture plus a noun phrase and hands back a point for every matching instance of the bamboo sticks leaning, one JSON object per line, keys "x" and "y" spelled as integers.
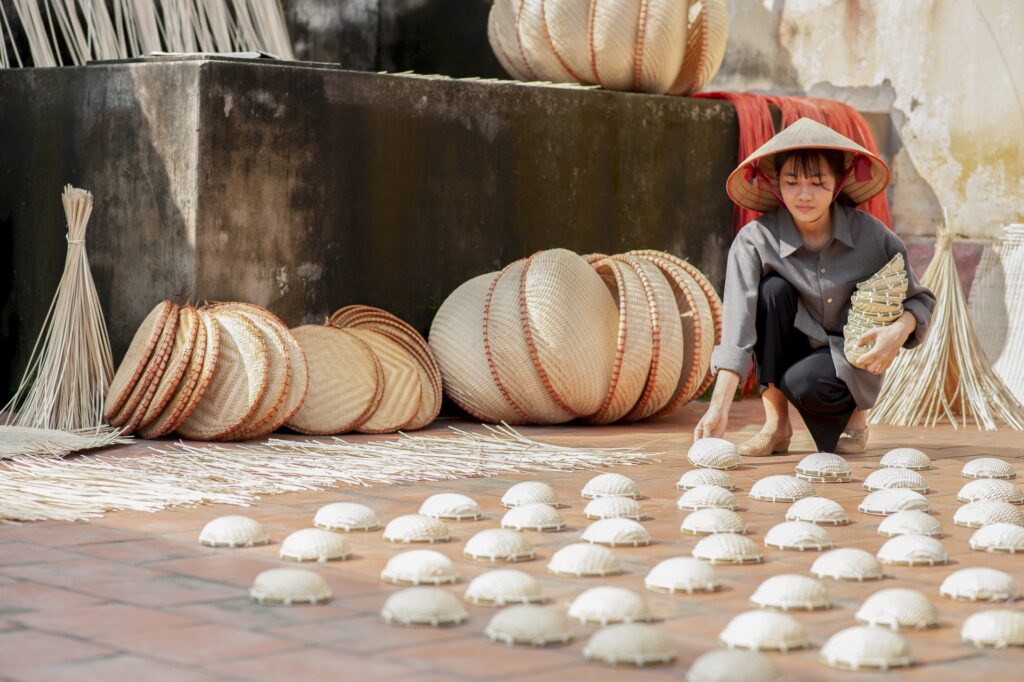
{"x": 89, "y": 30}
{"x": 949, "y": 376}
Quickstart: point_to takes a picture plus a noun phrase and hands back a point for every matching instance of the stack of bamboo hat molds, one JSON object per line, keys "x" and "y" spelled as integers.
{"x": 557, "y": 336}
{"x": 877, "y": 302}
{"x": 234, "y": 371}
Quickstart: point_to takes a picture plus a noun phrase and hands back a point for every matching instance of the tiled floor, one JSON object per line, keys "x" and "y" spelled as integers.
{"x": 132, "y": 596}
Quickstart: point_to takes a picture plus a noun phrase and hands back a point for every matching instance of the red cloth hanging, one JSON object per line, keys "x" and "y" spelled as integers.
{"x": 757, "y": 127}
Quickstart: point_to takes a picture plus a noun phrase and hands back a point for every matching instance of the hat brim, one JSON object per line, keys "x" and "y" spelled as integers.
{"x": 804, "y": 134}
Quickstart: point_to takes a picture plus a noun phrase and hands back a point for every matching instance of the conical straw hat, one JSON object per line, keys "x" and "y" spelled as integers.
{"x": 570, "y": 325}
{"x": 135, "y": 407}
{"x": 298, "y": 376}
{"x": 508, "y": 352}
{"x": 134, "y": 362}
{"x": 238, "y": 382}
{"x": 346, "y": 381}
{"x": 170, "y": 416}
{"x": 456, "y": 341}
{"x": 402, "y": 386}
{"x": 666, "y": 338}
{"x": 179, "y": 359}
{"x": 279, "y": 374}
{"x": 705, "y": 46}
{"x": 714, "y": 301}
{"x": 748, "y": 189}
{"x": 633, "y": 351}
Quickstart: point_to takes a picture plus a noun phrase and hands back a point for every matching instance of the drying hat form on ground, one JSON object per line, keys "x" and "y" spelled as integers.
{"x": 754, "y": 183}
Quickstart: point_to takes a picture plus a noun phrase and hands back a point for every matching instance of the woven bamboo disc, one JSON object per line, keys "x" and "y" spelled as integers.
{"x": 403, "y": 390}
{"x": 186, "y": 337}
{"x": 570, "y": 325}
{"x": 702, "y": 341}
{"x": 238, "y": 383}
{"x": 705, "y": 46}
{"x": 298, "y": 373}
{"x": 714, "y": 301}
{"x": 170, "y": 416}
{"x": 508, "y": 353}
{"x": 456, "y": 341}
{"x": 135, "y": 407}
{"x": 405, "y": 335}
{"x": 135, "y": 359}
{"x": 210, "y": 361}
{"x": 634, "y": 346}
{"x": 346, "y": 381}
{"x": 666, "y": 339}
{"x": 279, "y": 373}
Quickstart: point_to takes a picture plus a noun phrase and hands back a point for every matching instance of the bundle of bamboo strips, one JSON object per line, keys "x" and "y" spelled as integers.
{"x": 948, "y": 376}
{"x": 34, "y": 488}
{"x": 87, "y": 30}
{"x": 69, "y": 370}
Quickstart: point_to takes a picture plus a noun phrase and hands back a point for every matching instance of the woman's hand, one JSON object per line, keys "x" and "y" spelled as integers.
{"x": 888, "y": 340}
{"x": 712, "y": 424}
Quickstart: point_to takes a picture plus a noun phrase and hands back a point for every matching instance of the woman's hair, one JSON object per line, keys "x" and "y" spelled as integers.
{"x": 807, "y": 163}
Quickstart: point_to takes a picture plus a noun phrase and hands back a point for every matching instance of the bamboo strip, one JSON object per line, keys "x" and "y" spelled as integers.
{"x": 948, "y": 377}
{"x": 184, "y": 475}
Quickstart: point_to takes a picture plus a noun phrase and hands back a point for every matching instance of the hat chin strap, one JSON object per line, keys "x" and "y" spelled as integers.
{"x": 755, "y": 176}
{"x": 860, "y": 167}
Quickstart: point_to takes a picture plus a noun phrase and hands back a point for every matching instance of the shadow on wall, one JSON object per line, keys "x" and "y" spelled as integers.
{"x": 425, "y": 36}
{"x": 135, "y": 260}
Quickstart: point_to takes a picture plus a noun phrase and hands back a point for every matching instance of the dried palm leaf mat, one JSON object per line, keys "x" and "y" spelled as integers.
{"x": 559, "y": 336}
{"x": 38, "y": 488}
{"x": 74, "y": 32}
{"x": 948, "y": 376}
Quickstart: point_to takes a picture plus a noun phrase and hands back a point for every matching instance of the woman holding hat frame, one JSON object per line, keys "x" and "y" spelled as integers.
{"x": 790, "y": 276}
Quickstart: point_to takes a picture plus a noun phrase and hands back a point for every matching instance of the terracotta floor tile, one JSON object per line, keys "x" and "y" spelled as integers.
{"x": 232, "y": 567}
{"x": 594, "y": 672}
{"x": 18, "y": 553}
{"x": 66, "y": 534}
{"x": 167, "y": 521}
{"x": 145, "y": 551}
{"x": 312, "y": 664}
{"x": 173, "y": 590}
{"x": 97, "y": 622}
{"x": 479, "y": 660}
{"x": 80, "y": 571}
{"x": 368, "y": 634}
{"x": 245, "y": 613}
{"x": 22, "y": 650}
{"x": 121, "y": 668}
{"x": 26, "y": 596}
{"x": 199, "y": 644}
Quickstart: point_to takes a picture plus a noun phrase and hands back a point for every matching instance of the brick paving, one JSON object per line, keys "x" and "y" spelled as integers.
{"x": 132, "y": 595}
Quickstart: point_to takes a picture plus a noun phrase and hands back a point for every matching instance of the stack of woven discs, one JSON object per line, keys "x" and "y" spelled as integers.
{"x": 558, "y": 336}
{"x": 877, "y": 302}
{"x": 227, "y": 371}
{"x": 234, "y": 371}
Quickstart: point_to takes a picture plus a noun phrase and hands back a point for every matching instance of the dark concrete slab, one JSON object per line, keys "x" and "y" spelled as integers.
{"x": 305, "y": 187}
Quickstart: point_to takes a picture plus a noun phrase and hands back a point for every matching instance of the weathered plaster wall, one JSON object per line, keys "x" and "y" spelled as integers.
{"x": 950, "y": 73}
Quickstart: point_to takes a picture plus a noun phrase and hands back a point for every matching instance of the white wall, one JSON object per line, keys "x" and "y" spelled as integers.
{"x": 949, "y": 73}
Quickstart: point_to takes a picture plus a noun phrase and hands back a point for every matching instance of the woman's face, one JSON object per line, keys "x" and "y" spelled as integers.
{"x": 807, "y": 197}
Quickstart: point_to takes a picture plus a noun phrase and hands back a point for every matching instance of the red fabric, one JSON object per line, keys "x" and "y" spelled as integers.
{"x": 757, "y": 127}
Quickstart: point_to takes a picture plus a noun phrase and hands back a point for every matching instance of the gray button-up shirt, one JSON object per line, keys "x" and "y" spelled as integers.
{"x": 860, "y": 246}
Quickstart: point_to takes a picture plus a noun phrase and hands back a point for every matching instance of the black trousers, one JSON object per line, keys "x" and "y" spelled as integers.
{"x": 806, "y": 376}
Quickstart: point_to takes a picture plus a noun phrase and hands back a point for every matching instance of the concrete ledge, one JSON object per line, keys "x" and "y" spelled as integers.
{"x": 306, "y": 187}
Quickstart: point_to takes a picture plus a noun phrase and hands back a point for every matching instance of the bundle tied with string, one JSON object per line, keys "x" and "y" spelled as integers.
{"x": 71, "y": 365}
{"x": 877, "y": 302}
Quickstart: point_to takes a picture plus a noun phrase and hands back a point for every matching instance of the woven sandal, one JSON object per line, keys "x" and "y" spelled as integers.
{"x": 764, "y": 445}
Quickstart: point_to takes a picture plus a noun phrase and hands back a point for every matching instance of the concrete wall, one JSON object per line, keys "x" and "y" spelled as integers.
{"x": 949, "y": 75}
{"x": 307, "y": 188}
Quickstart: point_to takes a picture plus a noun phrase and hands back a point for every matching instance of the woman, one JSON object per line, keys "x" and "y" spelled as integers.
{"x": 787, "y": 291}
